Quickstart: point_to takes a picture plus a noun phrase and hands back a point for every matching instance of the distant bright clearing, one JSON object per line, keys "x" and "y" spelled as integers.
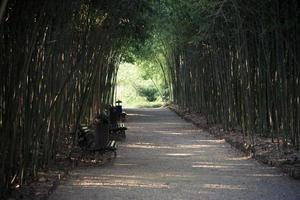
{"x": 134, "y": 89}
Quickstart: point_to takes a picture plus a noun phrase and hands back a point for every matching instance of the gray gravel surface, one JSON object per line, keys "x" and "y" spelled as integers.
{"x": 165, "y": 157}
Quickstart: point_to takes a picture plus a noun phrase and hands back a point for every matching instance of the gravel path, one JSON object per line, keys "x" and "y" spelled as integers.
{"x": 165, "y": 157}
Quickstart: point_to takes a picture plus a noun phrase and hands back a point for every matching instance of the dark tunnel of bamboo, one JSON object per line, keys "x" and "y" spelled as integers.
{"x": 234, "y": 62}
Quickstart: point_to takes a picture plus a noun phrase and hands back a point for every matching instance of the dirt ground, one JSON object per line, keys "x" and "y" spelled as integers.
{"x": 165, "y": 157}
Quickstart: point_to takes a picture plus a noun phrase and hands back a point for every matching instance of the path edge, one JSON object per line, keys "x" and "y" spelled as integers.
{"x": 288, "y": 167}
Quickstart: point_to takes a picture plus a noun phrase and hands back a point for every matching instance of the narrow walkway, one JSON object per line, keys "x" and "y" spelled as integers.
{"x": 165, "y": 157}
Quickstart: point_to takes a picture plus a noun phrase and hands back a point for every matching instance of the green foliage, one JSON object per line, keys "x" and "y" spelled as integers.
{"x": 151, "y": 93}
{"x": 135, "y": 88}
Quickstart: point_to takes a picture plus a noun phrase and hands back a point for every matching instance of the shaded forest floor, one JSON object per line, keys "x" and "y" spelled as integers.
{"x": 40, "y": 187}
{"x": 287, "y": 158}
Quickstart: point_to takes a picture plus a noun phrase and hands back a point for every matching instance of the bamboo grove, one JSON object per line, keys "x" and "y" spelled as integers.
{"x": 237, "y": 63}
{"x": 58, "y": 68}
{"x": 234, "y": 62}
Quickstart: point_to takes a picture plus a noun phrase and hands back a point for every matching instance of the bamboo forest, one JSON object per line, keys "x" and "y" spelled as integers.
{"x": 235, "y": 63}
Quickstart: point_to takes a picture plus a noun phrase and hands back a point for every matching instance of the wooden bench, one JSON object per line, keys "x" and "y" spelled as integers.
{"x": 117, "y": 131}
{"x": 86, "y": 138}
{"x": 117, "y": 127}
{"x": 110, "y": 147}
{"x": 123, "y": 117}
{"x": 83, "y": 136}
